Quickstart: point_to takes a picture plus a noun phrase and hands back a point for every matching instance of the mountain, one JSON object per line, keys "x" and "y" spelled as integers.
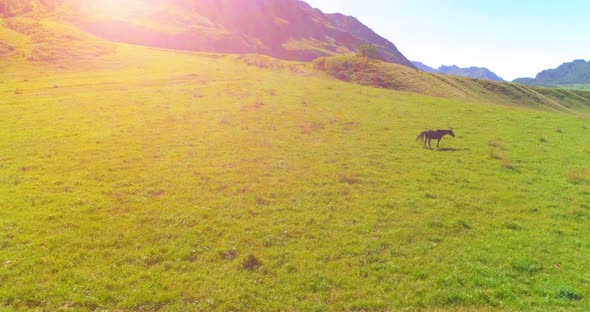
{"x": 286, "y": 29}
{"x": 387, "y": 50}
{"x": 471, "y": 72}
{"x": 424, "y": 67}
{"x": 576, "y": 72}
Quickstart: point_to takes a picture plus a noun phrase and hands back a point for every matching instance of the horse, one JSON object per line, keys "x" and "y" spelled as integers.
{"x": 428, "y": 135}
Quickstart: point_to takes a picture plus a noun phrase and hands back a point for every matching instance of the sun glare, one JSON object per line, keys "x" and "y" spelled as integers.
{"x": 117, "y": 9}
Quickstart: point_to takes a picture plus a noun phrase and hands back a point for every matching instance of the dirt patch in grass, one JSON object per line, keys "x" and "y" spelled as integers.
{"x": 6, "y": 49}
{"x": 349, "y": 179}
{"x": 251, "y": 263}
{"x": 579, "y": 176}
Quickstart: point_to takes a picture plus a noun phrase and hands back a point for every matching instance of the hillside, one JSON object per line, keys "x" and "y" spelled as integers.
{"x": 567, "y": 74}
{"x": 61, "y": 45}
{"x": 287, "y": 29}
{"x": 46, "y": 42}
{"x": 424, "y": 67}
{"x": 454, "y": 70}
{"x": 400, "y": 78}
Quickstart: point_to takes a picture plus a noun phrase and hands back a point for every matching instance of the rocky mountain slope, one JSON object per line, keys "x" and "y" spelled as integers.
{"x": 576, "y": 72}
{"x": 286, "y": 29}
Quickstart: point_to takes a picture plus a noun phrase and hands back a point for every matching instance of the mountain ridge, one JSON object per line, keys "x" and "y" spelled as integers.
{"x": 569, "y": 73}
{"x": 454, "y": 70}
{"x": 285, "y": 29}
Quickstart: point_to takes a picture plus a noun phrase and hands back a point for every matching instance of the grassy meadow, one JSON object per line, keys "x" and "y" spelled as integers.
{"x": 156, "y": 180}
{"x": 584, "y": 87}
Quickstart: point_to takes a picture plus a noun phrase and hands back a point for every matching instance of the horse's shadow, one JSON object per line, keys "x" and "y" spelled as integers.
{"x": 451, "y": 149}
{"x": 446, "y": 149}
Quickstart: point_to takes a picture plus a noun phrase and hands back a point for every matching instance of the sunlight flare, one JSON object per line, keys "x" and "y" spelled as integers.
{"x": 117, "y": 9}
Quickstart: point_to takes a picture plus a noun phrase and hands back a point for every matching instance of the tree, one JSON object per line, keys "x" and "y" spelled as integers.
{"x": 367, "y": 51}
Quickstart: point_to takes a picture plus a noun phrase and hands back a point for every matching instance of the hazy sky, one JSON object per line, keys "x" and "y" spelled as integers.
{"x": 513, "y": 38}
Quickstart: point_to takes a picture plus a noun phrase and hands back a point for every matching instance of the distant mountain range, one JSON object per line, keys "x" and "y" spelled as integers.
{"x": 286, "y": 29}
{"x": 424, "y": 67}
{"x": 471, "y": 72}
{"x": 572, "y": 73}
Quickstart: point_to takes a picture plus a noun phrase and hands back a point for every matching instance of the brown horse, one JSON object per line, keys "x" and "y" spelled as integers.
{"x": 428, "y": 135}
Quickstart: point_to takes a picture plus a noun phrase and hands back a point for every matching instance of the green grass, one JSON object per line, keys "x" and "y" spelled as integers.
{"x": 176, "y": 181}
{"x": 45, "y": 42}
{"x": 585, "y": 87}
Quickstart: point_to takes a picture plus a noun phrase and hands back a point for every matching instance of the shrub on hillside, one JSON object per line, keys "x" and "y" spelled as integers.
{"x": 355, "y": 69}
{"x": 368, "y": 51}
{"x": 339, "y": 67}
{"x": 6, "y": 48}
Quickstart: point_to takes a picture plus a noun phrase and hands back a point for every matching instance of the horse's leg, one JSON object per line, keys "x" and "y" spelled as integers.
{"x": 437, "y": 142}
{"x": 430, "y": 146}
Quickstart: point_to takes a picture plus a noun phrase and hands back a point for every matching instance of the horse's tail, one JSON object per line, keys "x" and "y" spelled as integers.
{"x": 421, "y": 136}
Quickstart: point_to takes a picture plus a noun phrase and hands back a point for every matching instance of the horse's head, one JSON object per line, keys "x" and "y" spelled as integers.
{"x": 451, "y": 133}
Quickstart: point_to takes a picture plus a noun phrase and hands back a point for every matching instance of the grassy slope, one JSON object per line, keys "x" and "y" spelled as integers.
{"x": 400, "y": 78}
{"x": 585, "y": 87}
{"x": 45, "y": 42}
{"x": 186, "y": 181}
